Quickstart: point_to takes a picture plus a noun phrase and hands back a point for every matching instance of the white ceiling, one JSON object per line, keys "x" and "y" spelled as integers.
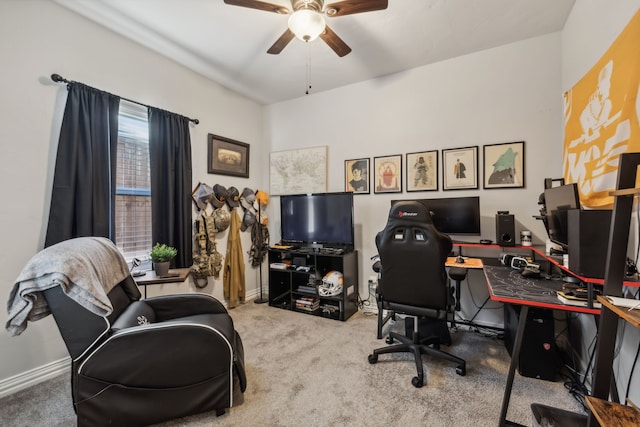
{"x": 228, "y": 43}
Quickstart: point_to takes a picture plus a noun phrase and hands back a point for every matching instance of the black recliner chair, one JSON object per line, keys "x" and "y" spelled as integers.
{"x": 149, "y": 360}
{"x": 413, "y": 281}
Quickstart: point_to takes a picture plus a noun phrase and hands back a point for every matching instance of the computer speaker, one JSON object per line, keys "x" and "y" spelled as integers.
{"x": 505, "y": 229}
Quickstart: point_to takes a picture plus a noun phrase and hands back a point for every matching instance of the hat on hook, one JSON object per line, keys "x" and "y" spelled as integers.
{"x": 262, "y": 197}
{"x": 220, "y": 195}
{"x": 248, "y": 220}
{"x": 247, "y": 198}
{"x": 203, "y": 195}
{"x": 233, "y": 199}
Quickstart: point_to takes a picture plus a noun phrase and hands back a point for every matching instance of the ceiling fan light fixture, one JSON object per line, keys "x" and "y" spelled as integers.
{"x": 306, "y": 24}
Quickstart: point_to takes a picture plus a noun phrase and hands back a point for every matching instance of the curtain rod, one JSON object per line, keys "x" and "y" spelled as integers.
{"x": 59, "y": 79}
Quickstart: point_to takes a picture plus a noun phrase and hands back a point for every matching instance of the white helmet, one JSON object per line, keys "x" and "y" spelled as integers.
{"x": 331, "y": 284}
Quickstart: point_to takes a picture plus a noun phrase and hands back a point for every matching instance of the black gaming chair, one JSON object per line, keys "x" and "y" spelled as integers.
{"x": 413, "y": 281}
{"x": 149, "y": 360}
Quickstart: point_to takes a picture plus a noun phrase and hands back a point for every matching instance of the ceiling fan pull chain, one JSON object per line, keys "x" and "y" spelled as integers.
{"x": 308, "y": 71}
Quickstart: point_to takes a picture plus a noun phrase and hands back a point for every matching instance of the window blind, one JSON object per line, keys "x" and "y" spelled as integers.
{"x": 133, "y": 183}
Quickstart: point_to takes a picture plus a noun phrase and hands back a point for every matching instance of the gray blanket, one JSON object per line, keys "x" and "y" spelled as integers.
{"x": 86, "y": 268}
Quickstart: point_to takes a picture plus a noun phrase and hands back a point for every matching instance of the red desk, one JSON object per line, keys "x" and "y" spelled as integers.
{"x": 508, "y": 286}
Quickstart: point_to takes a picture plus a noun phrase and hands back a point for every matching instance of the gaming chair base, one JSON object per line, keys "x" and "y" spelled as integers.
{"x": 418, "y": 348}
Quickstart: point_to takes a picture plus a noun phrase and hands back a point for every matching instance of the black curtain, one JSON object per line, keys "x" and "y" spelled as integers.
{"x": 83, "y": 193}
{"x": 170, "y": 156}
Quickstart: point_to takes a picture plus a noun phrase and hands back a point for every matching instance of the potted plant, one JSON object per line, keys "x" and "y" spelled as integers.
{"x": 161, "y": 255}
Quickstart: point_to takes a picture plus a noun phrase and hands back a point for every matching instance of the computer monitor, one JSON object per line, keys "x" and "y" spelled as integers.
{"x": 453, "y": 215}
{"x": 557, "y": 201}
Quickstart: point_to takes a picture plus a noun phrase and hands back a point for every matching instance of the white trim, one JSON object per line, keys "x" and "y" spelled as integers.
{"x": 34, "y": 376}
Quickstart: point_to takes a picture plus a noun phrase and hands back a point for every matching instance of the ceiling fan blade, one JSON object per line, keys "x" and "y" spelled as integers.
{"x": 281, "y": 43}
{"x": 335, "y": 42}
{"x": 260, "y": 5}
{"x": 349, "y": 7}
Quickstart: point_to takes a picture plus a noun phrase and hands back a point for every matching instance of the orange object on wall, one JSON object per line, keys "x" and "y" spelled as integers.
{"x": 602, "y": 116}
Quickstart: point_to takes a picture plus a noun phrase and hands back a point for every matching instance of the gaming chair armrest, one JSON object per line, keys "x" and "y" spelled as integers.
{"x": 168, "y": 307}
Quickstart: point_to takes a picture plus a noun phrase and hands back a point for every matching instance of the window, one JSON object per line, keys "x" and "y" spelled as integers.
{"x": 133, "y": 183}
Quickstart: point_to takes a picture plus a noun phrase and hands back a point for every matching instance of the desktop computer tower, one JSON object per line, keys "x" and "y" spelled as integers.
{"x": 505, "y": 229}
{"x": 538, "y": 351}
{"x": 588, "y": 240}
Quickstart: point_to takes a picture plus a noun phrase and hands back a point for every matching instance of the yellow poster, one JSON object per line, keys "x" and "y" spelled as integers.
{"x": 602, "y": 116}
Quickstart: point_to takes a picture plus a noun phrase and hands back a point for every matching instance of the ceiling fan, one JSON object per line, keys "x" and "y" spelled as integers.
{"x": 307, "y": 20}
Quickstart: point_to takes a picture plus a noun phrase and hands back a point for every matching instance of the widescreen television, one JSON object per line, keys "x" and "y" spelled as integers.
{"x": 454, "y": 215}
{"x": 318, "y": 220}
{"x": 557, "y": 201}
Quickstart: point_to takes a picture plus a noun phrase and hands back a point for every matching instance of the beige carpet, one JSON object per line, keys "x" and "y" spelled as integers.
{"x": 307, "y": 370}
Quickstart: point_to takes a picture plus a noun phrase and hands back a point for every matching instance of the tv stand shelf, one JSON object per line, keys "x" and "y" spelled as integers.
{"x": 294, "y": 286}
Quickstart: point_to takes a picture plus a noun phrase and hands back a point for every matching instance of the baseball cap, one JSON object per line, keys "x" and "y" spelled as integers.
{"x": 203, "y": 195}
{"x": 220, "y": 194}
{"x": 262, "y": 197}
{"x": 233, "y": 199}
{"x": 247, "y": 198}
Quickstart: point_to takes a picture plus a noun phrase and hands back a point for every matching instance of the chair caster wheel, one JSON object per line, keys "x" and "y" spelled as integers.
{"x": 373, "y": 358}
{"x": 416, "y": 382}
{"x": 389, "y": 340}
{"x": 461, "y": 370}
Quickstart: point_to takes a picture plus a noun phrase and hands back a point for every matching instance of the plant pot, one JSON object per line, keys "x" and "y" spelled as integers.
{"x": 161, "y": 268}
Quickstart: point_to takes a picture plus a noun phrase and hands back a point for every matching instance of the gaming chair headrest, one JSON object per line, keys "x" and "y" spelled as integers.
{"x": 410, "y": 212}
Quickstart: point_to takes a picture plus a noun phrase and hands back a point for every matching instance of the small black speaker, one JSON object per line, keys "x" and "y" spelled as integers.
{"x": 588, "y": 239}
{"x": 505, "y": 230}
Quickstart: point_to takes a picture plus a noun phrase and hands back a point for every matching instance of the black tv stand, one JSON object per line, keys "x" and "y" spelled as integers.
{"x": 294, "y": 275}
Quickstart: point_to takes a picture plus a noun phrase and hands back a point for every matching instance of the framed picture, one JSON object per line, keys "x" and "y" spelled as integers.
{"x": 356, "y": 176}
{"x": 422, "y": 171}
{"x": 228, "y": 157}
{"x": 504, "y": 165}
{"x": 387, "y": 174}
{"x": 303, "y": 170}
{"x": 460, "y": 168}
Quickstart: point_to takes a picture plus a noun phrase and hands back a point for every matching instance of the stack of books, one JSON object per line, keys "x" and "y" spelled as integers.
{"x": 307, "y": 303}
{"x": 575, "y": 298}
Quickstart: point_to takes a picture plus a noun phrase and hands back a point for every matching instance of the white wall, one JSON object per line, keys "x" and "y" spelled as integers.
{"x": 589, "y": 31}
{"x": 506, "y": 94}
{"x": 38, "y": 38}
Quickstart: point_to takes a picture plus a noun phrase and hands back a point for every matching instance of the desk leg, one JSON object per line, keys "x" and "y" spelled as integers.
{"x": 524, "y": 312}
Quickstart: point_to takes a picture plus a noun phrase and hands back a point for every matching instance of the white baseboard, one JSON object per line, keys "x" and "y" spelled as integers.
{"x": 34, "y": 376}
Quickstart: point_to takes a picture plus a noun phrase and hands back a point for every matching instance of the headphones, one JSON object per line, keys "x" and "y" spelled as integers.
{"x": 517, "y": 262}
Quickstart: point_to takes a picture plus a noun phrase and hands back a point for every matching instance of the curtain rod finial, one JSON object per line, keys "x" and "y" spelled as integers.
{"x": 196, "y": 121}
{"x": 58, "y": 78}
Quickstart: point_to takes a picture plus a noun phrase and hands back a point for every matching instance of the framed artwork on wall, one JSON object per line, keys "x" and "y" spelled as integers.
{"x": 387, "y": 174}
{"x": 303, "y": 170}
{"x": 356, "y": 176}
{"x": 422, "y": 171}
{"x": 504, "y": 165}
{"x": 460, "y": 168}
{"x": 227, "y": 157}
